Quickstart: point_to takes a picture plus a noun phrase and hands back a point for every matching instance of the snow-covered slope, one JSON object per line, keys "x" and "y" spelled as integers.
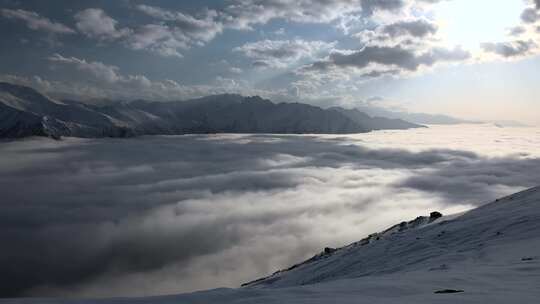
{"x": 488, "y": 255}
{"x": 26, "y": 112}
{"x": 430, "y": 243}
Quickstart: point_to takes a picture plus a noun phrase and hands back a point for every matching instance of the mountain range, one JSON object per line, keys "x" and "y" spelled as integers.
{"x": 26, "y": 112}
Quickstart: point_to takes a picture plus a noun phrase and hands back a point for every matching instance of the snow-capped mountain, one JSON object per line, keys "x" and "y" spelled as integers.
{"x": 487, "y": 255}
{"x": 26, "y": 112}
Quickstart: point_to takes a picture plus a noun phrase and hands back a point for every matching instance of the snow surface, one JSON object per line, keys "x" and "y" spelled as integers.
{"x": 491, "y": 253}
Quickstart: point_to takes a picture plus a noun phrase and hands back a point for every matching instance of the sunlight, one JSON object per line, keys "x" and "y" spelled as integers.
{"x": 469, "y": 23}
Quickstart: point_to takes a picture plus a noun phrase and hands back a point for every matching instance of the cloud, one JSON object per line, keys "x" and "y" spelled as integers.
{"x": 243, "y": 14}
{"x": 369, "y": 6}
{"x": 183, "y": 30}
{"x": 98, "y": 70}
{"x": 36, "y": 22}
{"x": 173, "y": 32}
{"x": 119, "y": 217}
{"x": 282, "y": 53}
{"x": 159, "y": 39}
{"x": 374, "y": 60}
{"x": 177, "y": 31}
{"x": 530, "y": 15}
{"x": 199, "y": 29}
{"x": 95, "y": 23}
{"x": 95, "y": 81}
{"x": 413, "y": 33}
{"x": 389, "y": 49}
{"x": 524, "y": 38}
{"x": 516, "y": 48}
{"x": 517, "y": 31}
{"x": 415, "y": 28}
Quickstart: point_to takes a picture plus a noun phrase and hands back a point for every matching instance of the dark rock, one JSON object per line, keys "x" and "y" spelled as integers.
{"x": 328, "y": 250}
{"x": 434, "y": 215}
{"x": 449, "y": 291}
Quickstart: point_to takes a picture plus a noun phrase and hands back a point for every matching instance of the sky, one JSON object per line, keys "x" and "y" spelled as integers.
{"x": 472, "y": 59}
{"x": 171, "y": 214}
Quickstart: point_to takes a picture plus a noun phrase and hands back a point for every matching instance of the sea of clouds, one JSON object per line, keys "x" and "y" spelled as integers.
{"x": 170, "y": 214}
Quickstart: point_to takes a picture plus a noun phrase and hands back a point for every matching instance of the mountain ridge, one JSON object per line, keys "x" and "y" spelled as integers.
{"x": 26, "y": 112}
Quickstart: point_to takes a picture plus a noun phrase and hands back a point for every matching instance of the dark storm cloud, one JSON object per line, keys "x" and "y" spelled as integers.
{"x": 79, "y": 214}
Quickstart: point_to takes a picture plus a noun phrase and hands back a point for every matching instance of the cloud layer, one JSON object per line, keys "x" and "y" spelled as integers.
{"x": 169, "y": 214}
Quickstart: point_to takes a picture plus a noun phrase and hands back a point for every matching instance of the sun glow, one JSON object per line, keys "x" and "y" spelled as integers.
{"x": 471, "y": 22}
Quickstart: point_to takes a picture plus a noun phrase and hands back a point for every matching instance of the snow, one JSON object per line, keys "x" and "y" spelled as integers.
{"x": 492, "y": 253}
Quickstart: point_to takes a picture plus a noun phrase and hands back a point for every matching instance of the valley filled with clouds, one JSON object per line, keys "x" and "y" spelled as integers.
{"x": 168, "y": 214}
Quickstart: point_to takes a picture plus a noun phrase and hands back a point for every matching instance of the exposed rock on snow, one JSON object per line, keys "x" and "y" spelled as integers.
{"x": 449, "y": 291}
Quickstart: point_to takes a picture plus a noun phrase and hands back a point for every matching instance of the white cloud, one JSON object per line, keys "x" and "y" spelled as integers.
{"x": 198, "y": 29}
{"x": 176, "y": 31}
{"x": 159, "y": 39}
{"x": 517, "y": 48}
{"x": 282, "y": 53}
{"x": 172, "y": 33}
{"x": 95, "y": 81}
{"x": 36, "y": 22}
{"x": 98, "y": 70}
{"x": 243, "y": 14}
{"x": 95, "y": 23}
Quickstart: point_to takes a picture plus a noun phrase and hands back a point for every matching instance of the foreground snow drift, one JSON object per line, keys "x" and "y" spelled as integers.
{"x": 488, "y": 255}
